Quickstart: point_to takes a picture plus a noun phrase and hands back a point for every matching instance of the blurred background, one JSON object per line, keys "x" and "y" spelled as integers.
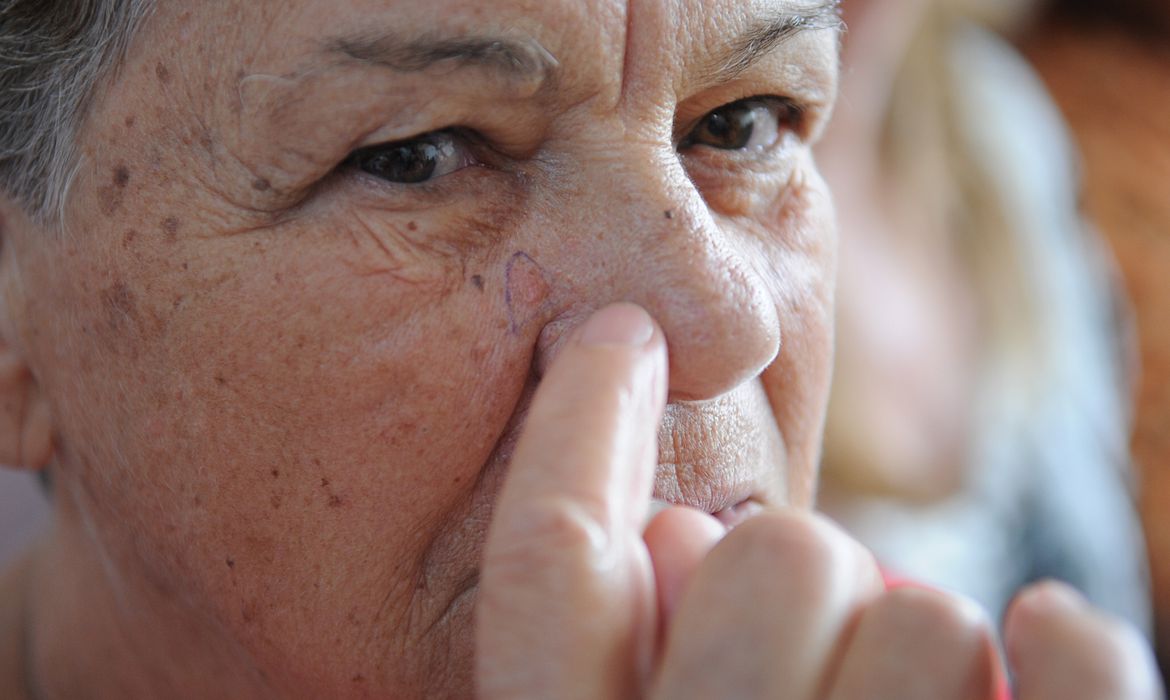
{"x": 24, "y": 513}
{"x": 1001, "y": 411}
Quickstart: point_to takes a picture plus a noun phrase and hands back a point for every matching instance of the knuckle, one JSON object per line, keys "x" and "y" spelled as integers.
{"x": 549, "y": 530}
{"x": 809, "y": 550}
{"x": 927, "y": 614}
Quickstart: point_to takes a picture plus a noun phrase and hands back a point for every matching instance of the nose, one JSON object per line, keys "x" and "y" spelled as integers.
{"x": 648, "y": 237}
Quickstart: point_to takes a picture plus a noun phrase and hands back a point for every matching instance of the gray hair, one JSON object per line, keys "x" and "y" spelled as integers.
{"x": 53, "y": 53}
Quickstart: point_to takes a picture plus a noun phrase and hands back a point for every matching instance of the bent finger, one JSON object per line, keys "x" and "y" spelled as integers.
{"x": 566, "y": 583}
{"x": 765, "y": 613}
{"x": 1061, "y": 648}
{"x": 918, "y": 644}
{"x": 678, "y": 540}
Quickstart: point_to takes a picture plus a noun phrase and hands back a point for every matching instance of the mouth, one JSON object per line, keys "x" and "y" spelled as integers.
{"x": 730, "y": 517}
{"x": 723, "y": 457}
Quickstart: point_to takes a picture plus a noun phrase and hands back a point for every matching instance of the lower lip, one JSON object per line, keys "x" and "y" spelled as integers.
{"x": 735, "y": 515}
{"x": 730, "y": 518}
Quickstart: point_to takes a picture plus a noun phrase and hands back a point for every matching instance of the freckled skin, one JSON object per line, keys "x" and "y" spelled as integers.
{"x": 287, "y": 405}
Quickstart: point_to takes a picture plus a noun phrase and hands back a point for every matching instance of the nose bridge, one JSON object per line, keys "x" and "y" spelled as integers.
{"x": 653, "y": 241}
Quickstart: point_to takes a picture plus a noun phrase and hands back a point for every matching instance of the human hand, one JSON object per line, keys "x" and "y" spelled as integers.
{"x": 577, "y": 602}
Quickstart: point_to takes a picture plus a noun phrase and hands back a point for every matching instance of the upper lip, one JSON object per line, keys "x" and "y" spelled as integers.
{"x": 705, "y": 463}
{"x": 712, "y": 456}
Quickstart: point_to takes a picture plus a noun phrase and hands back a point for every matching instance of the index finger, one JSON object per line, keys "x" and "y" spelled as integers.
{"x": 566, "y": 596}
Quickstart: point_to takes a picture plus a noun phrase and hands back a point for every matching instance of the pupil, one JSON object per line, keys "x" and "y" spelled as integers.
{"x": 731, "y": 129}
{"x": 408, "y": 163}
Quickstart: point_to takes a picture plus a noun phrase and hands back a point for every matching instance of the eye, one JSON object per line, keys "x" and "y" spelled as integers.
{"x": 414, "y": 160}
{"x": 752, "y": 124}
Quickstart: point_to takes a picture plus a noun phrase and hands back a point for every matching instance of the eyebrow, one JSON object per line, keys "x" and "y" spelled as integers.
{"x": 523, "y": 60}
{"x": 765, "y": 35}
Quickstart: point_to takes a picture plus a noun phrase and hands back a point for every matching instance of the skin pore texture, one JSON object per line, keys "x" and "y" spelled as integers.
{"x": 285, "y": 391}
{"x": 373, "y": 329}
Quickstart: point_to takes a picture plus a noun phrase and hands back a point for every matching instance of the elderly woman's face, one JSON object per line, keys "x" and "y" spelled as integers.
{"x": 320, "y": 253}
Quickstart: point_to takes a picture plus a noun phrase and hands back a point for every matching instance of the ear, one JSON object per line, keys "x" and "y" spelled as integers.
{"x": 25, "y": 424}
{"x": 25, "y": 421}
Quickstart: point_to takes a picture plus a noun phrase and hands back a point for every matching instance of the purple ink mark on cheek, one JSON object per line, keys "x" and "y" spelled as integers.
{"x": 526, "y": 290}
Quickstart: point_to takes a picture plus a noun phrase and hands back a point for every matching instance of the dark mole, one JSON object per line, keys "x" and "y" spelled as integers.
{"x": 477, "y": 280}
{"x": 219, "y": 379}
{"x": 668, "y": 214}
{"x": 184, "y": 266}
{"x": 231, "y": 563}
{"x": 275, "y": 473}
{"x": 160, "y": 70}
{"x": 121, "y": 175}
{"x": 170, "y": 226}
{"x": 359, "y": 678}
{"x": 261, "y": 184}
{"x": 412, "y": 226}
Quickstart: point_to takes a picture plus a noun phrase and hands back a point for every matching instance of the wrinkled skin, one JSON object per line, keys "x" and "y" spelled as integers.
{"x": 285, "y": 392}
{"x": 278, "y": 395}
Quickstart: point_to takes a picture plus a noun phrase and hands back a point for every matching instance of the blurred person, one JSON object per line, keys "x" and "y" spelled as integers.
{"x": 1107, "y": 64}
{"x": 358, "y": 337}
{"x": 977, "y": 429}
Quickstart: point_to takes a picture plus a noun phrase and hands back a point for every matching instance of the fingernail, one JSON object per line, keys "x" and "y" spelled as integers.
{"x": 1053, "y": 596}
{"x": 618, "y": 324}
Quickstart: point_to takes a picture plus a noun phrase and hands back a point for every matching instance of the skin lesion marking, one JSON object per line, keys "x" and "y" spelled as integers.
{"x": 526, "y": 290}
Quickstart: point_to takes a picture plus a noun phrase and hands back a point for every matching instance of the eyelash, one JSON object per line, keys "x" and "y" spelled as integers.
{"x": 789, "y": 115}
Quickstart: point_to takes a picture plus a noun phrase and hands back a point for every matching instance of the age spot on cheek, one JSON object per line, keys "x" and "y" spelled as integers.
{"x": 121, "y": 305}
{"x": 121, "y": 175}
{"x": 110, "y": 196}
{"x": 526, "y": 290}
{"x": 170, "y": 227}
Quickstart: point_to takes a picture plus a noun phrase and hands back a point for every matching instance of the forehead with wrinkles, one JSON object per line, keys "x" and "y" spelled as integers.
{"x": 263, "y": 76}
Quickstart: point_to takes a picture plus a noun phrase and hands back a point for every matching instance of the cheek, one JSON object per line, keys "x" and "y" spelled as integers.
{"x": 270, "y": 414}
{"x": 799, "y": 258}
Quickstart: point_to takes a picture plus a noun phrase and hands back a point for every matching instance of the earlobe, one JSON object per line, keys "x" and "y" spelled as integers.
{"x": 25, "y": 421}
{"x": 36, "y": 435}
{"x": 26, "y": 424}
